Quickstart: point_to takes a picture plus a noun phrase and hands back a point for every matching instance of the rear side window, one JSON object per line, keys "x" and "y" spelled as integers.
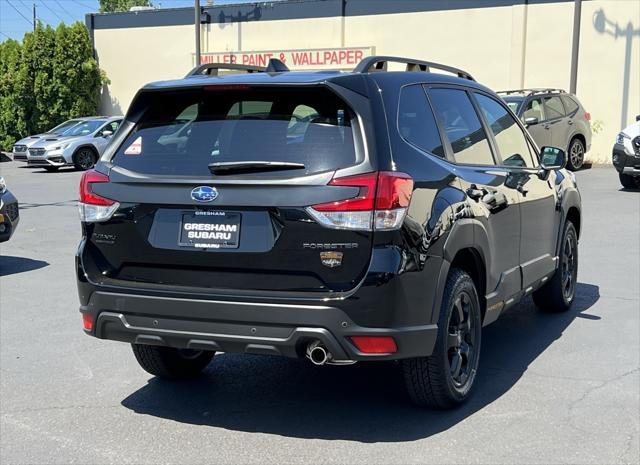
{"x": 509, "y": 138}
{"x": 553, "y": 107}
{"x": 416, "y": 122}
{"x": 182, "y": 132}
{"x": 570, "y": 105}
{"x": 462, "y": 126}
{"x": 533, "y": 110}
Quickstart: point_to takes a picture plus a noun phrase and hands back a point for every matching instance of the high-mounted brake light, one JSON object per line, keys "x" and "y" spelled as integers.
{"x": 94, "y": 208}
{"x": 381, "y": 202}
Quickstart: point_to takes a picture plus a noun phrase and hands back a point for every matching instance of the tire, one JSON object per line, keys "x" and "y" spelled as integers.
{"x": 51, "y": 169}
{"x": 629, "y": 182}
{"x": 85, "y": 158}
{"x": 446, "y": 377}
{"x": 558, "y": 293}
{"x": 575, "y": 155}
{"x": 170, "y": 363}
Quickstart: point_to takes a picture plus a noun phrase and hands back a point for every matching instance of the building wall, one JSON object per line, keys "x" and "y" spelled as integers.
{"x": 506, "y": 46}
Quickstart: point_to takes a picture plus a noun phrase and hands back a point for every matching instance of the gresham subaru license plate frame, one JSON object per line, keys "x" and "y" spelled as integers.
{"x": 207, "y": 229}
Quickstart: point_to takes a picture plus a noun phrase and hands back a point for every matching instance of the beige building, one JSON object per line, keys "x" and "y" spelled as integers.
{"x": 502, "y": 43}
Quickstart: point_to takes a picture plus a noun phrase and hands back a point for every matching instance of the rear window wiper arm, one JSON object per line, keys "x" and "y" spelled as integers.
{"x": 235, "y": 167}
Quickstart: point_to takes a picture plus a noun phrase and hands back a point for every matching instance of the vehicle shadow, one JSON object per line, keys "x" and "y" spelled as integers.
{"x": 363, "y": 402}
{"x": 12, "y": 265}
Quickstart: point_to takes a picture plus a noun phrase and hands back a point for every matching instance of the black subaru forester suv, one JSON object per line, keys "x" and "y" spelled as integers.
{"x": 363, "y": 216}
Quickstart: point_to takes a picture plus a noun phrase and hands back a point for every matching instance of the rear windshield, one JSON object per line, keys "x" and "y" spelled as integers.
{"x": 182, "y": 132}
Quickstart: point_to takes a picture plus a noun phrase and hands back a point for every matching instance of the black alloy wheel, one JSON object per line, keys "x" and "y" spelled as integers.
{"x": 84, "y": 159}
{"x": 462, "y": 353}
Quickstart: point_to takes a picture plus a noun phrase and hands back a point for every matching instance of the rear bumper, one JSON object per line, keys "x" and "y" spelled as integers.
{"x": 242, "y": 327}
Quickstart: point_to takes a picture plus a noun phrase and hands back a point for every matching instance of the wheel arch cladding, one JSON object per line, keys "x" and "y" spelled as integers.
{"x": 581, "y": 138}
{"x": 573, "y": 215}
{"x": 465, "y": 249}
{"x": 471, "y": 262}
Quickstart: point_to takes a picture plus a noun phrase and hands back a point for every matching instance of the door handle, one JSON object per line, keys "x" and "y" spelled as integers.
{"x": 547, "y": 126}
{"x": 570, "y": 121}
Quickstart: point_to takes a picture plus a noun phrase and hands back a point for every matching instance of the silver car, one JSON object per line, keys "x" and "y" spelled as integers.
{"x": 80, "y": 146}
{"x": 20, "y": 147}
{"x": 554, "y": 118}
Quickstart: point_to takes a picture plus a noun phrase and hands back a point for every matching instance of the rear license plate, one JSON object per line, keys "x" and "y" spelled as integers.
{"x": 210, "y": 230}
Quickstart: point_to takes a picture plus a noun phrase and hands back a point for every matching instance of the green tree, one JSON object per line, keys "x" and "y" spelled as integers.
{"x": 109, "y": 6}
{"x": 49, "y": 78}
{"x": 13, "y": 118}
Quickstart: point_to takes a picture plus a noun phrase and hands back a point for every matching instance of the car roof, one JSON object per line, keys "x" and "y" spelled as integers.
{"x": 397, "y": 78}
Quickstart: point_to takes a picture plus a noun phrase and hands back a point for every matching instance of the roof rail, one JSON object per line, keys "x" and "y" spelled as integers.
{"x": 541, "y": 90}
{"x": 379, "y": 63}
{"x": 211, "y": 69}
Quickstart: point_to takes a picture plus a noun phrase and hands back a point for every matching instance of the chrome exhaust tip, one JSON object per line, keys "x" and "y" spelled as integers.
{"x": 318, "y": 353}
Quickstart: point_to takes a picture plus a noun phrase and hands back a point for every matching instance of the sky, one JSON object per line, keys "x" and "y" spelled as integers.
{"x": 16, "y": 15}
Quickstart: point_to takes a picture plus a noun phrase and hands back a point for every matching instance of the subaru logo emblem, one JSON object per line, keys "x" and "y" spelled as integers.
{"x": 204, "y": 194}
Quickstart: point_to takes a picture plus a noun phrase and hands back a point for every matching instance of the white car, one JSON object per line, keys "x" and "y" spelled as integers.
{"x": 20, "y": 147}
{"x": 626, "y": 155}
{"x": 80, "y": 146}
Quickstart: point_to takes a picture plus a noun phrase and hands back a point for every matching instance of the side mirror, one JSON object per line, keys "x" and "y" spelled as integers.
{"x": 107, "y": 133}
{"x": 531, "y": 121}
{"x": 552, "y": 158}
{"x": 637, "y": 117}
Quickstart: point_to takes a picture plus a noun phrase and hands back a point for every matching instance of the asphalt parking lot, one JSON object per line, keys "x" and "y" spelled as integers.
{"x": 552, "y": 388}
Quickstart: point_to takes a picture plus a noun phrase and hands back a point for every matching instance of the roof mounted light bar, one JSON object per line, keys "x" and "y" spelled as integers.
{"x": 213, "y": 69}
{"x": 379, "y": 63}
{"x": 532, "y": 91}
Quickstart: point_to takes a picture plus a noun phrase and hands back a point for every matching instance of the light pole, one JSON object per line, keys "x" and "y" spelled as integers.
{"x": 196, "y": 9}
{"x": 575, "y": 46}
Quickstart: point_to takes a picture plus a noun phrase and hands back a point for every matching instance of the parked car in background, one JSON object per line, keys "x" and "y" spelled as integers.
{"x": 363, "y": 216}
{"x": 9, "y": 212}
{"x": 555, "y": 118}
{"x": 79, "y": 146}
{"x": 20, "y": 147}
{"x": 626, "y": 155}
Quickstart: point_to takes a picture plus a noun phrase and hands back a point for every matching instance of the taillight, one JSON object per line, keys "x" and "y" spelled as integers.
{"x": 94, "y": 208}
{"x": 381, "y": 202}
{"x": 587, "y": 116}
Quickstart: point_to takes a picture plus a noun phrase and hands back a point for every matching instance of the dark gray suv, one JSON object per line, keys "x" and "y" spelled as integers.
{"x": 553, "y": 118}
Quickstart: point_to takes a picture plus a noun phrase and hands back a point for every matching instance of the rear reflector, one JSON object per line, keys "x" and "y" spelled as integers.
{"x": 375, "y": 344}
{"x": 381, "y": 202}
{"x": 87, "y": 321}
{"x": 93, "y": 207}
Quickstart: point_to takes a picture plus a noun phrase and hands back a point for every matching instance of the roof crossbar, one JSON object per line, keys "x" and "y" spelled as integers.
{"x": 541, "y": 90}
{"x": 212, "y": 69}
{"x": 379, "y": 63}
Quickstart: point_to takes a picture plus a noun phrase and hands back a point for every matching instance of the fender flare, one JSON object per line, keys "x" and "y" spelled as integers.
{"x": 570, "y": 200}
{"x": 465, "y": 234}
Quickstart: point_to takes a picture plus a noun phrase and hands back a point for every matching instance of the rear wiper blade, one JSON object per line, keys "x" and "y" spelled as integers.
{"x": 234, "y": 167}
